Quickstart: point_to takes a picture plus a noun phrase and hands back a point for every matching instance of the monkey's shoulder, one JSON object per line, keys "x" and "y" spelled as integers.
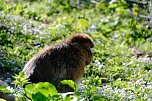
{"x": 58, "y": 49}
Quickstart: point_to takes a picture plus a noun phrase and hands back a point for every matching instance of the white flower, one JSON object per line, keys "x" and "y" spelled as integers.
{"x": 10, "y": 89}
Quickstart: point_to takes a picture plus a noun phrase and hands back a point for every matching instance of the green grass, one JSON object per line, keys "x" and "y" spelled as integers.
{"x": 117, "y": 30}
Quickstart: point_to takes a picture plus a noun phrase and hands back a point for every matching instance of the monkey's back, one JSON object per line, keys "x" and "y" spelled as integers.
{"x": 62, "y": 61}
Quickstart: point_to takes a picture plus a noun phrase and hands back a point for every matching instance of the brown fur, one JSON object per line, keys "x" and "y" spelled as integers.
{"x": 65, "y": 60}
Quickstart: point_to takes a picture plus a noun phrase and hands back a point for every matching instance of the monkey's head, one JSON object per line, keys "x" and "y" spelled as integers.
{"x": 85, "y": 42}
{"x": 82, "y": 39}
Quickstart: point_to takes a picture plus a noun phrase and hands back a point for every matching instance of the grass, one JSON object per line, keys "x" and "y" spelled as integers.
{"x": 115, "y": 73}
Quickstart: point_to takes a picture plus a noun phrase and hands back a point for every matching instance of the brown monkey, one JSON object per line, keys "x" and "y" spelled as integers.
{"x": 62, "y": 61}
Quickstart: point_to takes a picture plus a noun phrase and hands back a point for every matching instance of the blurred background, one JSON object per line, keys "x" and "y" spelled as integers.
{"x": 121, "y": 29}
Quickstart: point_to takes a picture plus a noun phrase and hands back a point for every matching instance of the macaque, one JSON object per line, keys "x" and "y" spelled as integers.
{"x": 63, "y": 61}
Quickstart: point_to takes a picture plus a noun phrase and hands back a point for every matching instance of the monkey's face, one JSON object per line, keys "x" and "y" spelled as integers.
{"x": 88, "y": 56}
{"x": 85, "y": 43}
{"x": 88, "y": 45}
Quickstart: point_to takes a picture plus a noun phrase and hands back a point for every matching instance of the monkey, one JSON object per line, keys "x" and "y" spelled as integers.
{"x": 62, "y": 61}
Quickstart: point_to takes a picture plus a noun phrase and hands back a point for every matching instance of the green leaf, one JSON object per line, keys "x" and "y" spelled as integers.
{"x": 82, "y": 24}
{"x": 68, "y": 82}
{"x": 39, "y": 97}
{"x": 2, "y": 99}
{"x": 44, "y": 88}
{"x": 4, "y": 89}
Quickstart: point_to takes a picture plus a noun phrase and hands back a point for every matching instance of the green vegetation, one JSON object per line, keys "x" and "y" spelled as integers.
{"x": 117, "y": 72}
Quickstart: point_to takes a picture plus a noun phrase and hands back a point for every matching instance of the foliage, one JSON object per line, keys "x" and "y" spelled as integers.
{"x": 40, "y": 91}
{"x": 20, "y": 79}
{"x": 70, "y": 83}
{"x": 118, "y": 31}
